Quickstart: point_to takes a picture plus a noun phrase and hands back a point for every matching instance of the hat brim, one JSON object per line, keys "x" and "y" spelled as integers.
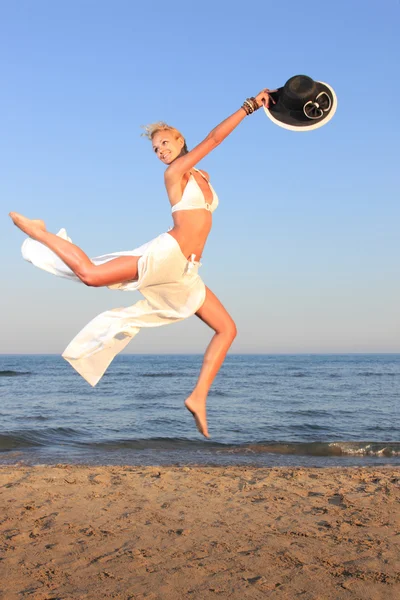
{"x": 290, "y": 120}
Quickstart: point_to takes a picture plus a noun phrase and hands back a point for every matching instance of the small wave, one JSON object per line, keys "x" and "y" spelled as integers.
{"x": 167, "y": 374}
{"x": 367, "y": 449}
{"x": 336, "y": 449}
{"x": 308, "y": 413}
{"x": 306, "y": 427}
{"x": 373, "y": 374}
{"x": 218, "y": 393}
{"x": 32, "y": 418}
{"x": 64, "y": 436}
{"x": 14, "y": 373}
{"x": 28, "y": 438}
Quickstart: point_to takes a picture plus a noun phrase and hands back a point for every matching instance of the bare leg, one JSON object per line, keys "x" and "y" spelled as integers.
{"x": 120, "y": 269}
{"x": 215, "y": 315}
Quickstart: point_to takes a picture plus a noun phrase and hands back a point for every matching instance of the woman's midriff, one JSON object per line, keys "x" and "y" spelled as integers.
{"x": 191, "y": 234}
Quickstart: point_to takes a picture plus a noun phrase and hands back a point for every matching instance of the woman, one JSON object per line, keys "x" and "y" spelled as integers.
{"x": 164, "y": 270}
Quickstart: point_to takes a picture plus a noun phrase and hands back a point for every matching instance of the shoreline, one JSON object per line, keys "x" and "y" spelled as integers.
{"x": 167, "y": 532}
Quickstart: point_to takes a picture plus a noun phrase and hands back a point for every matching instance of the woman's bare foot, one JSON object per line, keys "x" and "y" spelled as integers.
{"x": 198, "y": 409}
{"x": 28, "y": 226}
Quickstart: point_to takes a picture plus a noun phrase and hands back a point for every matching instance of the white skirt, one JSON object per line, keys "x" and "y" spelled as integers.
{"x": 171, "y": 285}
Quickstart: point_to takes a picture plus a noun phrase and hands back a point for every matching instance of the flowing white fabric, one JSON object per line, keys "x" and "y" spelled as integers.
{"x": 170, "y": 283}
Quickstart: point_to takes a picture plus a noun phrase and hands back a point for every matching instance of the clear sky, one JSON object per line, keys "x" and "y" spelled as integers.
{"x": 304, "y": 250}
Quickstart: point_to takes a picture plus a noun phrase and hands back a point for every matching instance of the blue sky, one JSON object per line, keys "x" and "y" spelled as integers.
{"x": 304, "y": 251}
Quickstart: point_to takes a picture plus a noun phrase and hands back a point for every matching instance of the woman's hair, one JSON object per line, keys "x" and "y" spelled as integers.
{"x": 153, "y": 128}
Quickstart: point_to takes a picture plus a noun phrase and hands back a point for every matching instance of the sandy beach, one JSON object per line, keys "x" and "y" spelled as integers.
{"x": 199, "y": 532}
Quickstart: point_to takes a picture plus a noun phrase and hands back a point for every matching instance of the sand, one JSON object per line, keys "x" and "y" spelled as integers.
{"x": 199, "y": 533}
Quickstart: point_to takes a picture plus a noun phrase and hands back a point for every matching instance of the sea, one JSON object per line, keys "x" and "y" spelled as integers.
{"x": 309, "y": 410}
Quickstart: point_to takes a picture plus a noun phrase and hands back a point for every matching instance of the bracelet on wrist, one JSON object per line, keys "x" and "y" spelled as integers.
{"x": 250, "y": 105}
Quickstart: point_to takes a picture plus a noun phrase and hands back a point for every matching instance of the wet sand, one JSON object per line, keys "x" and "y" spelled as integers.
{"x": 166, "y": 533}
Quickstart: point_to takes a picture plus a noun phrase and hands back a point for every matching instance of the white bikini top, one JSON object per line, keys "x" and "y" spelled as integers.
{"x": 193, "y": 197}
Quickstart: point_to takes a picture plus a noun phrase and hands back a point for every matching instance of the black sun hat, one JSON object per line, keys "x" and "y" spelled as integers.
{"x": 302, "y": 104}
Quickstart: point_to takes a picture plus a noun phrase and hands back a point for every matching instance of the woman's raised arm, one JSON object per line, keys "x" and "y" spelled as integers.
{"x": 215, "y": 137}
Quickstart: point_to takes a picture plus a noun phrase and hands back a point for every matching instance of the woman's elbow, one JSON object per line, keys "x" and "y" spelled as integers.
{"x": 214, "y": 139}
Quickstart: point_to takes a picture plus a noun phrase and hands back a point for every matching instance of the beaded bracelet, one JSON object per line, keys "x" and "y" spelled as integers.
{"x": 250, "y": 105}
{"x": 247, "y": 107}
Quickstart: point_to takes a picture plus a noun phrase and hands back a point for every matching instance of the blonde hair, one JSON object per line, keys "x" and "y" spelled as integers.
{"x": 153, "y": 128}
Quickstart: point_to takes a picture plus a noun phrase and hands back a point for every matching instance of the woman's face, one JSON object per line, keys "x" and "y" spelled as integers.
{"x": 167, "y": 146}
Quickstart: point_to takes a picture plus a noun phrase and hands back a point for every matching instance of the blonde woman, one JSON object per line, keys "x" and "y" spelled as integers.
{"x": 165, "y": 270}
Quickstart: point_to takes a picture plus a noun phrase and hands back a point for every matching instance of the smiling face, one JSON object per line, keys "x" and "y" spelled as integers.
{"x": 167, "y": 145}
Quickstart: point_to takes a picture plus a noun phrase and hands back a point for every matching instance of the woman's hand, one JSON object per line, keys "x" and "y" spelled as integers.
{"x": 264, "y": 98}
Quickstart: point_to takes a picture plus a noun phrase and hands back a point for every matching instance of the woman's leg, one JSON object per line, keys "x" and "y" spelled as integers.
{"x": 124, "y": 268}
{"x": 215, "y": 315}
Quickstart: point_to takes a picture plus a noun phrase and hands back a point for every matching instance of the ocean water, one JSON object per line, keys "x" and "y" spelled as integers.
{"x": 263, "y": 410}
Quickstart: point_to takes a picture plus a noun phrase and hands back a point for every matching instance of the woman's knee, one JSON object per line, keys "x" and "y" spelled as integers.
{"x": 229, "y": 329}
